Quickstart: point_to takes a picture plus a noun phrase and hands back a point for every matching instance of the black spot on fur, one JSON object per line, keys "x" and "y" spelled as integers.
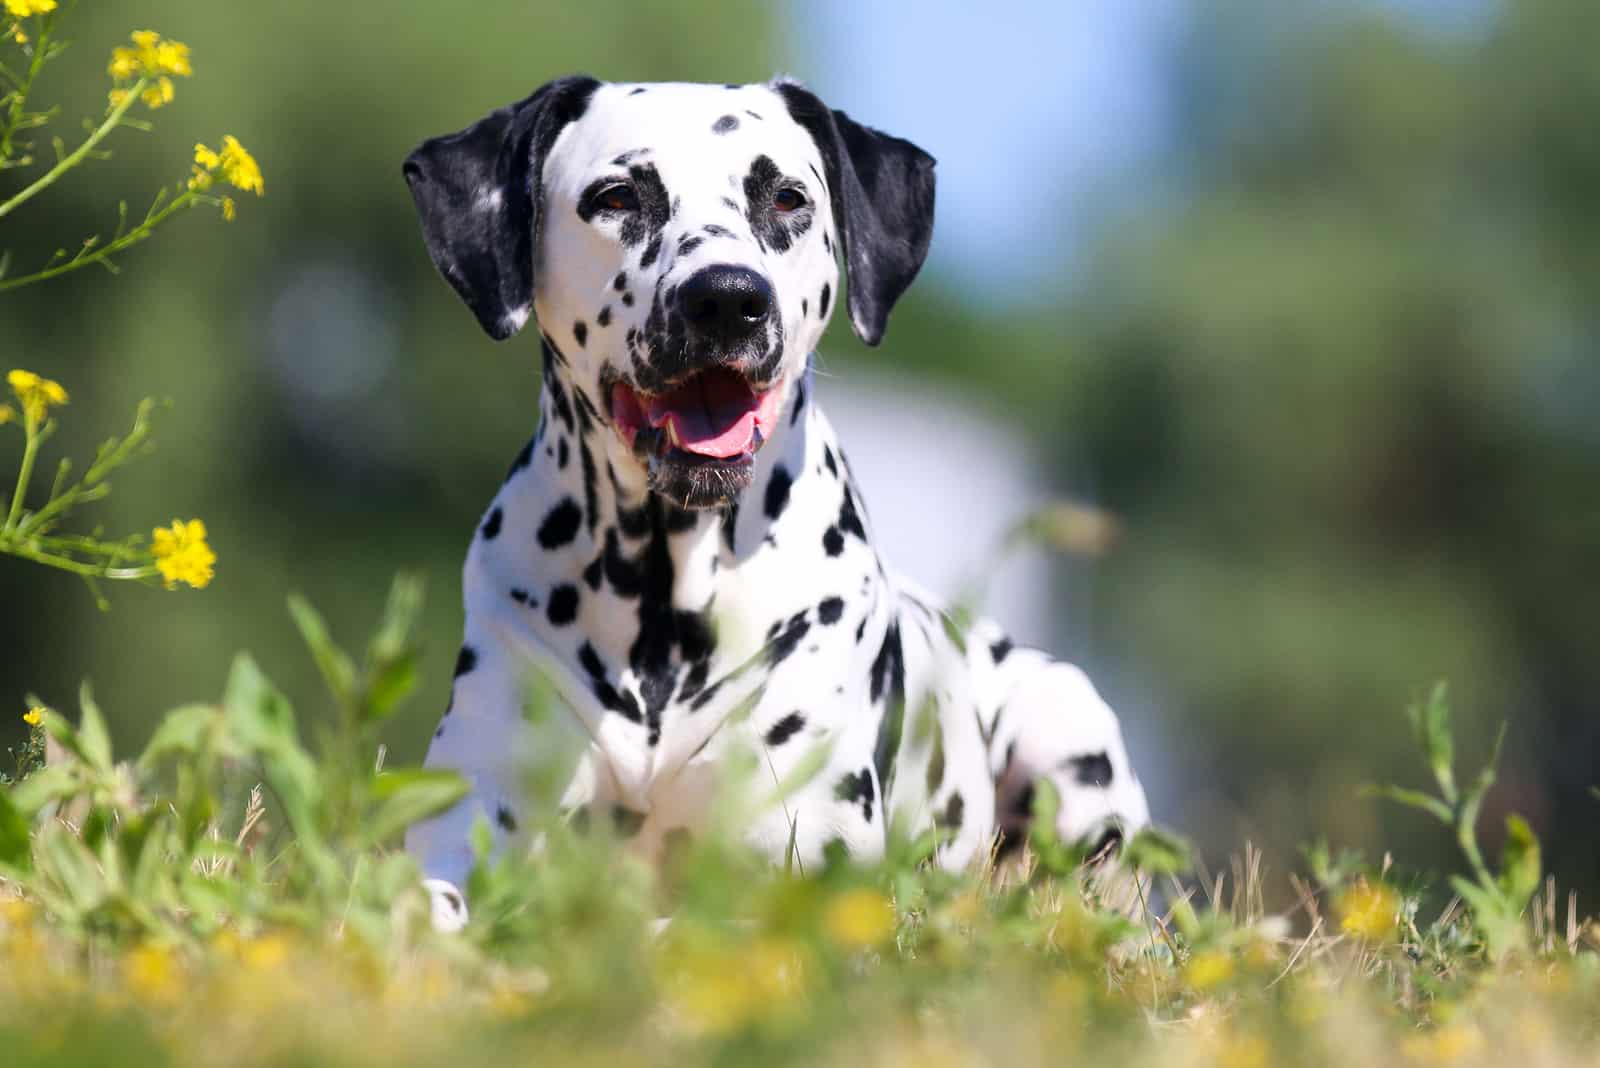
{"x": 888, "y": 678}
{"x": 625, "y": 821}
{"x": 752, "y": 114}
{"x": 772, "y": 230}
{"x": 466, "y": 660}
{"x": 1000, "y": 649}
{"x": 667, "y": 638}
{"x": 689, "y": 244}
{"x": 604, "y": 318}
{"x": 713, "y": 230}
{"x": 778, "y": 491}
{"x": 491, "y": 526}
{"x": 830, "y": 610}
{"x": 506, "y": 819}
{"x": 1092, "y": 769}
{"x": 849, "y": 519}
{"x": 624, "y": 704}
{"x": 560, "y": 524}
{"x": 954, "y": 811}
{"x": 594, "y": 573}
{"x": 557, "y": 391}
{"x": 621, "y": 572}
{"x": 856, "y": 786}
{"x": 651, "y": 251}
{"x": 730, "y": 525}
{"x": 783, "y": 645}
{"x": 827, "y": 458}
{"x": 627, "y": 300}
{"x": 729, "y": 202}
{"x": 799, "y": 402}
{"x": 563, "y": 606}
{"x": 636, "y": 92}
{"x": 785, "y": 728}
{"x": 832, "y": 541}
{"x": 1022, "y": 804}
{"x": 520, "y": 596}
{"x": 590, "y": 477}
{"x": 580, "y": 332}
{"x": 620, "y": 282}
{"x": 562, "y": 454}
{"x": 822, "y": 300}
{"x": 523, "y": 459}
{"x": 726, "y": 124}
{"x": 655, "y": 207}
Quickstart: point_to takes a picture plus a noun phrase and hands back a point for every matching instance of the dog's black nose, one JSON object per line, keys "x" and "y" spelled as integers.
{"x": 725, "y": 302}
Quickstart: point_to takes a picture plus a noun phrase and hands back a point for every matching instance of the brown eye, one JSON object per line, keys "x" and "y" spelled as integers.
{"x": 788, "y": 200}
{"x": 618, "y": 197}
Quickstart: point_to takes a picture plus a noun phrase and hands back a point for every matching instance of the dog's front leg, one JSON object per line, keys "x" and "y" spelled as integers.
{"x": 484, "y": 735}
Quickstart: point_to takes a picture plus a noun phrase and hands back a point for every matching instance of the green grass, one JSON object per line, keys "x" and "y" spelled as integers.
{"x": 234, "y": 895}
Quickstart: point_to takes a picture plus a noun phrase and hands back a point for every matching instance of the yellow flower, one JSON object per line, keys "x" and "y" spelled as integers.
{"x": 240, "y": 166}
{"x": 1208, "y": 970}
{"x": 37, "y": 395}
{"x": 33, "y": 716}
{"x": 151, "y": 971}
{"x": 1368, "y": 911}
{"x": 7, "y": 414}
{"x": 859, "y": 919}
{"x": 23, "y": 8}
{"x": 158, "y": 94}
{"x": 153, "y": 58}
{"x": 235, "y": 162}
{"x": 182, "y": 554}
{"x": 1444, "y": 1046}
{"x": 227, "y": 208}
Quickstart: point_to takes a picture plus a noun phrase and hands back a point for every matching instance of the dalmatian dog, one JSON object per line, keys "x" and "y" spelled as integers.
{"x": 680, "y": 550}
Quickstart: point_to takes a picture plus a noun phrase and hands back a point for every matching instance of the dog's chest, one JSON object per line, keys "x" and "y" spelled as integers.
{"x": 664, "y": 630}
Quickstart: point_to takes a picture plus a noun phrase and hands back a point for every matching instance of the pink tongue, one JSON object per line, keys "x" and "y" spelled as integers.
{"x": 713, "y": 414}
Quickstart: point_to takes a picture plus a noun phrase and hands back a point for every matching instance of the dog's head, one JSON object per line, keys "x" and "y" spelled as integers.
{"x": 677, "y": 244}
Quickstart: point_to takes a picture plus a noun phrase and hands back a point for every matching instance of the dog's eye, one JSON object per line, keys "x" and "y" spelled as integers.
{"x": 788, "y": 200}
{"x": 618, "y": 197}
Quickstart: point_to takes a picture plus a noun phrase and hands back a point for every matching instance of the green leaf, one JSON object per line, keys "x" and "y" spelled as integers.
{"x": 392, "y": 682}
{"x": 807, "y": 768}
{"x": 1156, "y": 851}
{"x": 409, "y": 796}
{"x": 93, "y": 737}
{"x": 335, "y": 665}
{"x": 393, "y": 636}
{"x": 181, "y": 732}
{"x": 1412, "y": 799}
{"x": 1501, "y": 927}
{"x": 1519, "y": 862}
{"x": 16, "y": 848}
{"x": 54, "y": 782}
{"x": 262, "y": 721}
{"x": 1430, "y": 721}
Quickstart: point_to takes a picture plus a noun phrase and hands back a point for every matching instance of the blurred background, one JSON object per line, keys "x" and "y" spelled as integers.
{"x": 1306, "y": 298}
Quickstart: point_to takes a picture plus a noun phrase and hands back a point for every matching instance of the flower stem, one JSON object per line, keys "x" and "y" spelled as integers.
{"x": 30, "y": 450}
{"x": 41, "y": 48}
{"x": 48, "y": 178}
{"x": 126, "y": 241}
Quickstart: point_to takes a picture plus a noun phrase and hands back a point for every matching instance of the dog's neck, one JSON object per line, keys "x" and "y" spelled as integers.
{"x": 645, "y": 570}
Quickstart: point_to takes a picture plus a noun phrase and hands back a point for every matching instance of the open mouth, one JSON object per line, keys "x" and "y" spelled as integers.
{"x": 713, "y": 416}
{"x": 700, "y": 437}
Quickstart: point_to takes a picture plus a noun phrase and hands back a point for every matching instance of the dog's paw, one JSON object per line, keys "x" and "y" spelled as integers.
{"x": 448, "y": 909}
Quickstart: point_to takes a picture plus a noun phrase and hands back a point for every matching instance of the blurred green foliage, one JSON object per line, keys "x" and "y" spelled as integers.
{"x": 1331, "y": 363}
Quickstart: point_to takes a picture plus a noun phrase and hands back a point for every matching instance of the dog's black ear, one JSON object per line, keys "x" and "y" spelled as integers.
{"x": 477, "y": 194}
{"x": 882, "y": 191}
